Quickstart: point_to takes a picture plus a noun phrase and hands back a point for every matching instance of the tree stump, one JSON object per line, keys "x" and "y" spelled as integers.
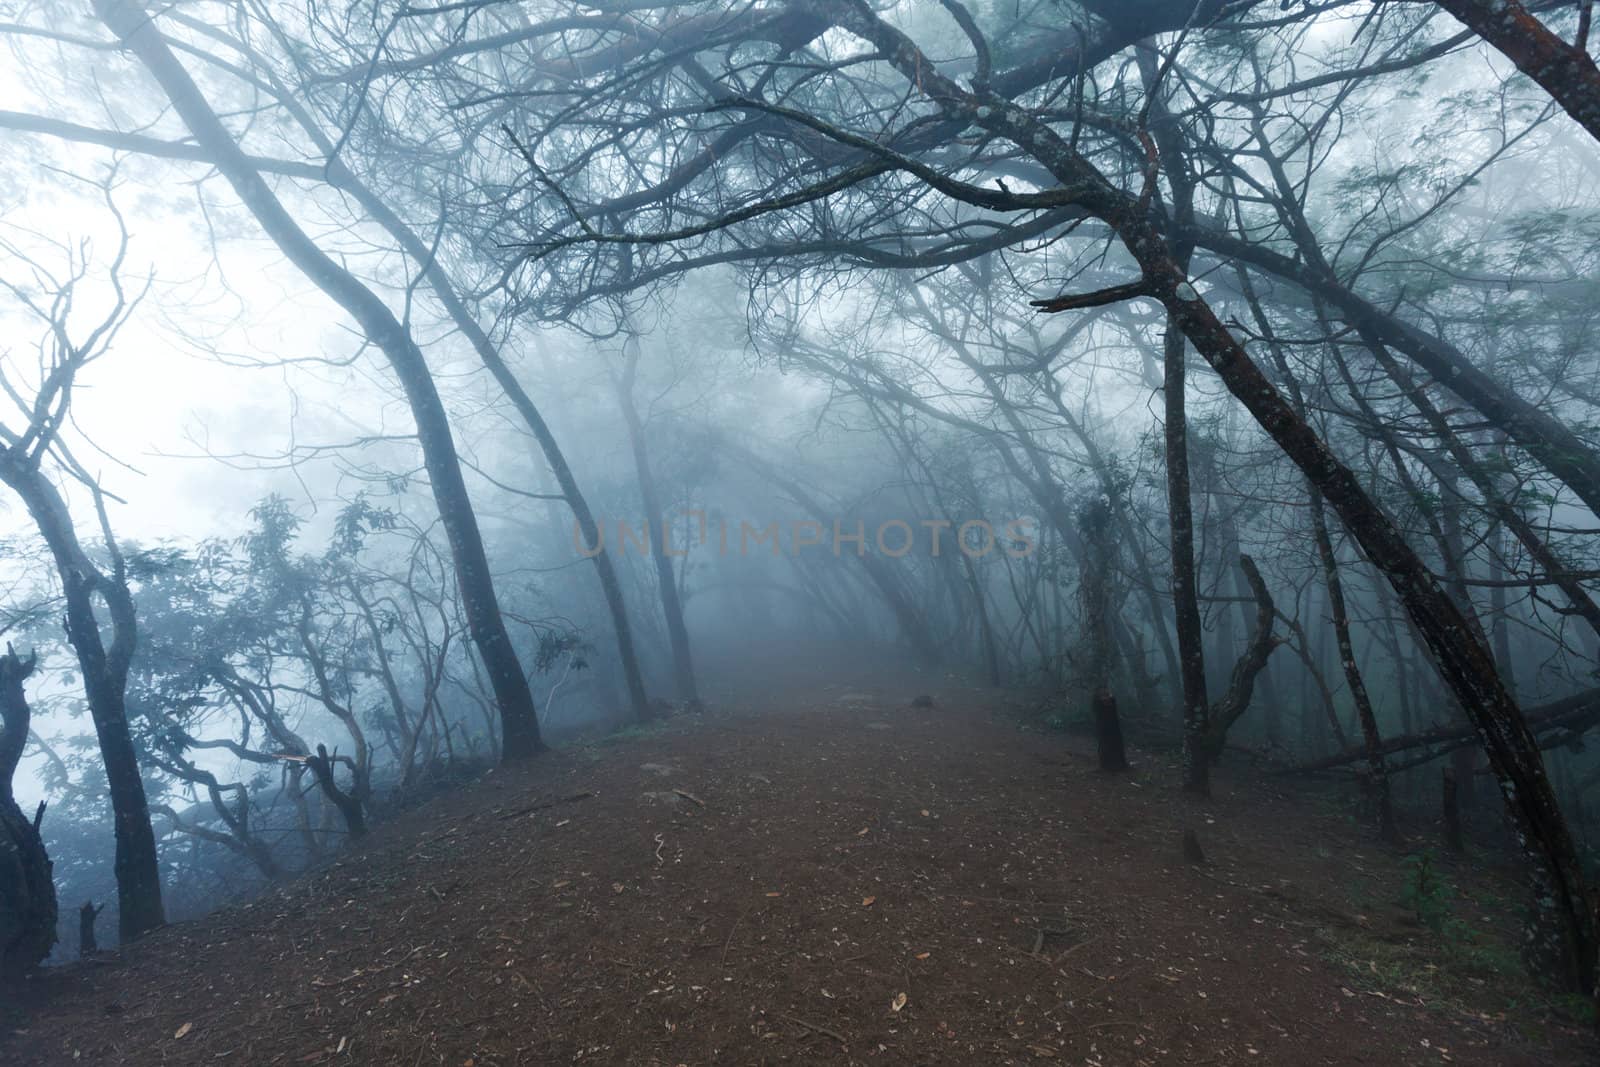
{"x": 1191, "y": 849}
{"x": 1108, "y": 732}
{"x": 86, "y": 917}
{"x": 1452, "y": 813}
{"x": 27, "y": 892}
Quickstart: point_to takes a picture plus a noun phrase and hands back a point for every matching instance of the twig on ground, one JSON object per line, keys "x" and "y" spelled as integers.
{"x": 724, "y": 957}
{"x": 530, "y": 809}
{"x": 814, "y": 1027}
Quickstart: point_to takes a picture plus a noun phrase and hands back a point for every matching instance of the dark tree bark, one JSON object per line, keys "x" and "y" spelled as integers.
{"x": 1496, "y": 502}
{"x": 519, "y": 719}
{"x": 489, "y": 354}
{"x": 349, "y": 806}
{"x": 1575, "y": 714}
{"x": 105, "y": 682}
{"x": 1377, "y": 772}
{"x": 1178, "y": 250}
{"x": 1333, "y": 584}
{"x": 1566, "y": 71}
{"x": 1543, "y": 436}
{"x": 1099, "y": 566}
{"x": 1452, "y": 812}
{"x": 1564, "y": 919}
{"x": 87, "y": 914}
{"x": 1233, "y": 703}
{"x": 1185, "y": 581}
{"x": 27, "y": 890}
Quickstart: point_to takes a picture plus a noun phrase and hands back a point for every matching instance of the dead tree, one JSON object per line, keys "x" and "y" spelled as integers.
{"x": 87, "y": 914}
{"x": 1451, "y": 802}
{"x": 350, "y": 807}
{"x": 27, "y": 891}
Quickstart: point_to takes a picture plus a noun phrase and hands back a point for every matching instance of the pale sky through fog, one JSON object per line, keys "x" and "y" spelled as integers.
{"x": 178, "y": 381}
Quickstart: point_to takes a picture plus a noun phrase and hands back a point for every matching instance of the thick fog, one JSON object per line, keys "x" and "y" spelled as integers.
{"x": 394, "y": 391}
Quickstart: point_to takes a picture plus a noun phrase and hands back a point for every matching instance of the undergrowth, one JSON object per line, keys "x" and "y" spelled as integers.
{"x": 1451, "y": 950}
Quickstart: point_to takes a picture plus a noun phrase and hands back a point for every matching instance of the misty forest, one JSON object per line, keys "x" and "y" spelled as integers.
{"x": 799, "y": 531}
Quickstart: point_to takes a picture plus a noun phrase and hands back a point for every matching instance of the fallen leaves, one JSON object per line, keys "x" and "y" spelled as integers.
{"x": 182, "y": 1030}
{"x": 867, "y": 902}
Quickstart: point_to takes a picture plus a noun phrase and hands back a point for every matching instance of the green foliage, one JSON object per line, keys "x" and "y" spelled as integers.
{"x": 557, "y": 642}
{"x": 1426, "y": 894}
{"x": 354, "y": 522}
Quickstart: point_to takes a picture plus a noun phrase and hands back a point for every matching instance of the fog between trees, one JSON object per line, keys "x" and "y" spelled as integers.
{"x": 395, "y": 390}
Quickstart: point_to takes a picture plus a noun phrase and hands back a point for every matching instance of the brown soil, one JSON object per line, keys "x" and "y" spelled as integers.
{"x": 843, "y": 880}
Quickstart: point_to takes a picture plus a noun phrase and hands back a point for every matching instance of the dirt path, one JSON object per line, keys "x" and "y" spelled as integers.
{"x": 845, "y": 880}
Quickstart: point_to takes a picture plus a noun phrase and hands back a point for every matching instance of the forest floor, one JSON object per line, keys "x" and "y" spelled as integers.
{"x": 833, "y": 877}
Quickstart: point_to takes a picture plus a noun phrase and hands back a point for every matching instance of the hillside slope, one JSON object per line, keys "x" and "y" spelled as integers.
{"x": 837, "y": 879}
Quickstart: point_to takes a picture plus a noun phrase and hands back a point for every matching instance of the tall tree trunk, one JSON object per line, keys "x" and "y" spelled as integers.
{"x": 1563, "y": 923}
{"x": 1099, "y": 566}
{"x": 105, "y": 682}
{"x": 659, "y": 533}
{"x": 1377, "y": 770}
{"x": 518, "y": 716}
{"x": 439, "y": 281}
{"x": 1185, "y": 584}
{"x": 1177, "y": 250}
{"x": 349, "y": 805}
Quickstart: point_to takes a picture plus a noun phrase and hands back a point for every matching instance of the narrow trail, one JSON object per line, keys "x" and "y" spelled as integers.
{"x": 829, "y": 878}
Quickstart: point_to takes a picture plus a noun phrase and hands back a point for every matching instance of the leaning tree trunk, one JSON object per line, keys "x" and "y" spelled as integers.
{"x": 1564, "y": 924}
{"x": 518, "y": 717}
{"x": 427, "y": 261}
{"x": 27, "y": 891}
